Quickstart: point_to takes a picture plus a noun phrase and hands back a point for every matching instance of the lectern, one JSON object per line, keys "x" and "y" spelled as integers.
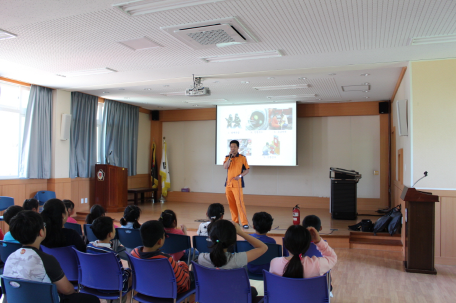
{"x": 111, "y": 187}
{"x": 419, "y": 231}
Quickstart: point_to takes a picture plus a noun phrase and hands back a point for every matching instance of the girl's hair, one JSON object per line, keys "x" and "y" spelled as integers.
{"x": 68, "y": 203}
{"x": 131, "y": 214}
{"x": 223, "y": 235}
{"x": 296, "y": 241}
{"x": 167, "y": 218}
{"x": 52, "y": 213}
{"x": 95, "y": 212}
{"x": 215, "y": 212}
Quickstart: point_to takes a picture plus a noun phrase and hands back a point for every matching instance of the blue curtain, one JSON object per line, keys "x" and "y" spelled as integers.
{"x": 119, "y": 143}
{"x": 83, "y": 135}
{"x": 36, "y": 143}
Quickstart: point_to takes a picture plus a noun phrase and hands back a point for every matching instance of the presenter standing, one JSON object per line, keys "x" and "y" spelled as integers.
{"x": 237, "y": 167}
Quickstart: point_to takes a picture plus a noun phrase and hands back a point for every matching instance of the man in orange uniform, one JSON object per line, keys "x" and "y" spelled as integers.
{"x": 237, "y": 167}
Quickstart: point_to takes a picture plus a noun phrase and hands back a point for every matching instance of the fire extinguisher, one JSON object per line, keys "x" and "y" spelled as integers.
{"x": 296, "y": 215}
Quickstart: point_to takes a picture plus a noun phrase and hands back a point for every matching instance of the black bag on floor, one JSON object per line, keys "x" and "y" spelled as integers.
{"x": 395, "y": 223}
{"x": 382, "y": 224}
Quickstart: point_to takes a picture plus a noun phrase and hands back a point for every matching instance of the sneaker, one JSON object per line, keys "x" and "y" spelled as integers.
{"x": 245, "y": 227}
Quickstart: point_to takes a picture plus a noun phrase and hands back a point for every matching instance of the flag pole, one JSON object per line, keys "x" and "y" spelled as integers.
{"x": 162, "y": 199}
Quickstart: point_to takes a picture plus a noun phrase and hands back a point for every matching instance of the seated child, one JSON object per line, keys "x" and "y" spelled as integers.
{"x": 297, "y": 241}
{"x": 9, "y": 213}
{"x": 262, "y": 223}
{"x": 70, "y": 208}
{"x": 103, "y": 229}
{"x": 223, "y": 235}
{"x": 31, "y": 204}
{"x": 153, "y": 237}
{"x": 131, "y": 217}
{"x": 214, "y": 212}
{"x": 29, "y": 229}
{"x": 95, "y": 211}
{"x": 312, "y": 221}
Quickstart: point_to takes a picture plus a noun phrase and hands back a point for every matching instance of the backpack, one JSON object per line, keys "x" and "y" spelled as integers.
{"x": 383, "y": 223}
{"x": 395, "y": 223}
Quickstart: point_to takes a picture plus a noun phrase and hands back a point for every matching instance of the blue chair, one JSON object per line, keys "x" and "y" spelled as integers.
{"x": 312, "y": 251}
{"x": 100, "y": 275}
{"x": 44, "y": 195}
{"x": 274, "y": 251}
{"x": 203, "y": 244}
{"x": 130, "y": 238}
{"x": 7, "y": 248}
{"x": 75, "y": 226}
{"x": 215, "y": 285}
{"x": 25, "y": 291}
{"x": 154, "y": 280}
{"x": 311, "y": 290}
{"x": 89, "y": 233}
{"x": 176, "y": 243}
{"x": 68, "y": 261}
{"x": 5, "y": 202}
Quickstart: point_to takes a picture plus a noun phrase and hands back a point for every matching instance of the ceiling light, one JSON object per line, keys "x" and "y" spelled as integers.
{"x": 141, "y": 7}
{"x": 433, "y": 39}
{"x": 331, "y": 74}
{"x": 319, "y": 99}
{"x": 271, "y": 78}
{"x": 174, "y": 94}
{"x": 121, "y": 88}
{"x": 366, "y": 91}
{"x": 277, "y": 87}
{"x": 204, "y": 101}
{"x": 88, "y": 72}
{"x": 139, "y": 44}
{"x": 302, "y": 78}
{"x": 6, "y": 35}
{"x": 126, "y": 97}
{"x": 292, "y": 96}
{"x": 365, "y": 75}
{"x": 195, "y": 105}
{"x": 366, "y": 97}
{"x": 215, "y": 82}
{"x": 105, "y": 92}
{"x": 61, "y": 75}
{"x": 356, "y": 88}
{"x": 246, "y": 56}
{"x": 366, "y": 83}
{"x": 148, "y": 89}
{"x": 245, "y": 82}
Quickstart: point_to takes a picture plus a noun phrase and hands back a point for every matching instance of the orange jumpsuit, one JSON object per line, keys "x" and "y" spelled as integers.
{"x": 233, "y": 188}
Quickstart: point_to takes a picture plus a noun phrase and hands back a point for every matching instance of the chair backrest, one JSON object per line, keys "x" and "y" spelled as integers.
{"x": 130, "y": 238}
{"x": 280, "y": 289}
{"x": 202, "y": 244}
{"x": 25, "y": 291}
{"x": 175, "y": 243}
{"x": 220, "y": 285}
{"x": 7, "y": 248}
{"x": 44, "y": 195}
{"x": 89, "y": 233}
{"x": 312, "y": 251}
{"x": 274, "y": 251}
{"x": 99, "y": 271}
{"x": 5, "y": 202}
{"x": 77, "y": 227}
{"x": 67, "y": 258}
{"x": 153, "y": 277}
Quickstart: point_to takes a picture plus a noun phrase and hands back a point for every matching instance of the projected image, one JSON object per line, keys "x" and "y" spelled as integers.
{"x": 280, "y": 119}
{"x": 233, "y": 122}
{"x": 245, "y": 146}
{"x": 258, "y": 120}
{"x": 272, "y": 148}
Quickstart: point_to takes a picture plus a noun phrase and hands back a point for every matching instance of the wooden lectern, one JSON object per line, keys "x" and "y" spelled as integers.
{"x": 419, "y": 231}
{"x": 111, "y": 187}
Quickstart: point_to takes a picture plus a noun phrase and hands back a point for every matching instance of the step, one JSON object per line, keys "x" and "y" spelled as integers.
{"x": 370, "y": 235}
{"x": 376, "y": 244}
{"x": 391, "y": 242}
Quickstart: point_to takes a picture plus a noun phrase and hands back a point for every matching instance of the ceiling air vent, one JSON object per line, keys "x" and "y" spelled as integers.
{"x": 356, "y": 88}
{"x": 211, "y": 34}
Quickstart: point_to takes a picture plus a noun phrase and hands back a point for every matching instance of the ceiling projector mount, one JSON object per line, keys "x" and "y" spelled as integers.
{"x": 197, "y": 89}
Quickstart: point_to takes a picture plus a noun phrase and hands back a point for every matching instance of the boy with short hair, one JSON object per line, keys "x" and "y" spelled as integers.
{"x": 262, "y": 223}
{"x": 153, "y": 237}
{"x": 9, "y": 213}
{"x": 312, "y": 221}
{"x": 103, "y": 228}
{"x": 30, "y": 263}
{"x": 31, "y": 204}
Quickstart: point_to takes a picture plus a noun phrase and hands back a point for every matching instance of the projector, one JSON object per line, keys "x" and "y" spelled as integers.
{"x": 198, "y": 91}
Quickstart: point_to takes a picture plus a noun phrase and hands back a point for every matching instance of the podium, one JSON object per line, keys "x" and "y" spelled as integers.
{"x": 419, "y": 231}
{"x": 111, "y": 187}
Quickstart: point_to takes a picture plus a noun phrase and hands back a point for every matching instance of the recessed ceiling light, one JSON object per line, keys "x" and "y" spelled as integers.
{"x": 271, "y": 78}
{"x": 366, "y": 83}
{"x": 365, "y": 75}
{"x": 302, "y": 78}
{"x": 126, "y": 97}
{"x": 88, "y": 72}
{"x": 141, "y": 7}
{"x": 277, "y": 87}
{"x": 355, "y": 88}
{"x": 366, "y": 91}
{"x": 195, "y": 105}
{"x": 320, "y": 99}
{"x": 166, "y": 85}
{"x": 215, "y": 82}
{"x": 246, "y": 56}
{"x": 366, "y": 97}
{"x": 148, "y": 89}
{"x": 292, "y": 96}
{"x": 121, "y": 88}
{"x": 139, "y": 44}
{"x": 105, "y": 92}
{"x": 245, "y": 82}
{"x": 331, "y": 74}
{"x": 433, "y": 39}
{"x": 6, "y": 35}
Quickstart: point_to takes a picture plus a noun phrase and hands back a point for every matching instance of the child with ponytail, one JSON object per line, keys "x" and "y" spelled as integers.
{"x": 297, "y": 241}
{"x": 214, "y": 212}
{"x": 131, "y": 217}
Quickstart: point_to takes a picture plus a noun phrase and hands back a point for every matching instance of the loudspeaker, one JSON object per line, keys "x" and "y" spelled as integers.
{"x": 383, "y": 107}
{"x": 65, "y": 127}
{"x": 155, "y": 115}
{"x": 343, "y": 201}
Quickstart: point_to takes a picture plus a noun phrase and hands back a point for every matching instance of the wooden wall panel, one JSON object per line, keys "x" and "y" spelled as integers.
{"x": 338, "y": 109}
{"x": 61, "y": 187}
{"x": 384, "y": 159}
{"x": 81, "y": 189}
{"x": 448, "y": 227}
{"x": 188, "y": 115}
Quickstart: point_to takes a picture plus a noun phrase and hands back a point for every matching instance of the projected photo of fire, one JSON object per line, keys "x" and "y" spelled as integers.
{"x": 245, "y": 146}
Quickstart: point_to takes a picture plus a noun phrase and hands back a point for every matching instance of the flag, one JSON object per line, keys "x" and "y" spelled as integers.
{"x": 164, "y": 171}
{"x": 153, "y": 167}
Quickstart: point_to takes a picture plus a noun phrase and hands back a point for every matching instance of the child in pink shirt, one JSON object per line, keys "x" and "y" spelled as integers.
{"x": 297, "y": 241}
{"x": 70, "y": 209}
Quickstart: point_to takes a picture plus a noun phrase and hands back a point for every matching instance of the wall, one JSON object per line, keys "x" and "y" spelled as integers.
{"x": 351, "y": 142}
{"x": 143, "y": 158}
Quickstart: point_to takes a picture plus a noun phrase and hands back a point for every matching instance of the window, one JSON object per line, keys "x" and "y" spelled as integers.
{"x": 99, "y": 128}
{"x": 13, "y": 106}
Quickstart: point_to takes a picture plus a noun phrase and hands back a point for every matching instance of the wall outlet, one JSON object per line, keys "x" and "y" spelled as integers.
{"x": 85, "y": 200}
{"x": 376, "y": 172}
{"x": 82, "y": 200}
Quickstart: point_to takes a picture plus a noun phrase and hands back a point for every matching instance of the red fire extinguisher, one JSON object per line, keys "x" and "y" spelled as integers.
{"x": 296, "y": 215}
